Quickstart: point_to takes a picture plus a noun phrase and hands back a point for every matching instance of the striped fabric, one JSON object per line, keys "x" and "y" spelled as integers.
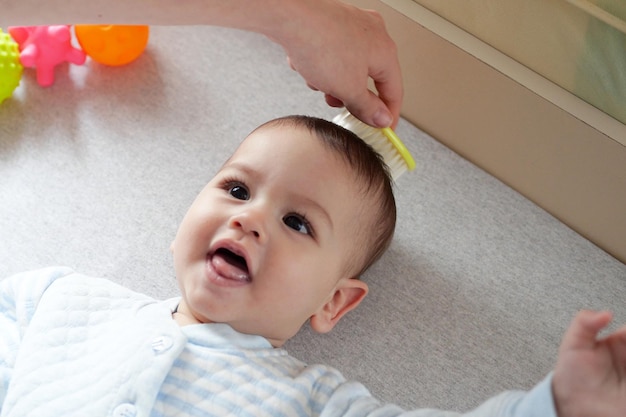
{"x": 235, "y": 374}
{"x": 119, "y": 353}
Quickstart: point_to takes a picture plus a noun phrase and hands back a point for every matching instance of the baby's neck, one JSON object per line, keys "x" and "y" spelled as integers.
{"x": 183, "y": 320}
{"x": 183, "y": 317}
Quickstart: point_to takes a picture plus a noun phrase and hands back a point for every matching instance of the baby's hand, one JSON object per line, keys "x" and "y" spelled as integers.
{"x": 590, "y": 375}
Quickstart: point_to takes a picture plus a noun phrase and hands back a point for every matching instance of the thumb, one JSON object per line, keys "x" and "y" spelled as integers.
{"x": 584, "y": 329}
{"x": 370, "y": 109}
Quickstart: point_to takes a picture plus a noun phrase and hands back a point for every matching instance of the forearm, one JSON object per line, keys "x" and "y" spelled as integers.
{"x": 336, "y": 47}
{"x": 263, "y": 16}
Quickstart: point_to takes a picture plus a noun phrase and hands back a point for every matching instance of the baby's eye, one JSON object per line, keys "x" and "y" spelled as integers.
{"x": 298, "y": 223}
{"x": 239, "y": 191}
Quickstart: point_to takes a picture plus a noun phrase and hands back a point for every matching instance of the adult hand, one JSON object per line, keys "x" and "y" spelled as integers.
{"x": 337, "y": 48}
{"x": 590, "y": 375}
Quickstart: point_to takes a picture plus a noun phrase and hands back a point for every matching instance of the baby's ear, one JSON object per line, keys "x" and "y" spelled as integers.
{"x": 348, "y": 294}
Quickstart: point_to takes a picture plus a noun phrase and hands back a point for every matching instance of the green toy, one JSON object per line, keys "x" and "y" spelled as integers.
{"x": 10, "y": 67}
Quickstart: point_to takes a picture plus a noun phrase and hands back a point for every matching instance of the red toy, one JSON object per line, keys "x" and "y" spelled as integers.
{"x": 45, "y": 47}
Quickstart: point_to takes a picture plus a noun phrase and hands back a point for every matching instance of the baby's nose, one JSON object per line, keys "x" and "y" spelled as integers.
{"x": 246, "y": 228}
{"x": 250, "y": 221}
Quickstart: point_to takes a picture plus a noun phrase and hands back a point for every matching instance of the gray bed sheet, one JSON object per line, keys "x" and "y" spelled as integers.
{"x": 472, "y": 298}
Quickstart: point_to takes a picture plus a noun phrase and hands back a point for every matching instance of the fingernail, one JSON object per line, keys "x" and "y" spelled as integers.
{"x": 382, "y": 118}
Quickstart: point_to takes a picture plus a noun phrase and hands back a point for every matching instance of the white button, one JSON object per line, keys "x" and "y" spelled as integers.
{"x": 125, "y": 410}
{"x": 161, "y": 344}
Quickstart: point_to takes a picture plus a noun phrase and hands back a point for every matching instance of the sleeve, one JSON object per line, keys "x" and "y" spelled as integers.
{"x": 19, "y": 296}
{"x": 352, "y": 400}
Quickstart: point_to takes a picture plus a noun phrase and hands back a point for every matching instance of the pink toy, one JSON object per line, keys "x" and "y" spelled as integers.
{"x": 45, "y": 47}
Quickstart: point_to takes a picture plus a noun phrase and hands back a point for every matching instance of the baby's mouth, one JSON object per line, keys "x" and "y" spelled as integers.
{"x": 230, "y": 265}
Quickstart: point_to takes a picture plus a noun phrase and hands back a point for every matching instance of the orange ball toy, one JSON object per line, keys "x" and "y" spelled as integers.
{"x": 112, "y": 45}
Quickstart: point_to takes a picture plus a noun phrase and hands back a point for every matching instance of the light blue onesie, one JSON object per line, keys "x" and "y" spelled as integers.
{"x": 73, "y": 345}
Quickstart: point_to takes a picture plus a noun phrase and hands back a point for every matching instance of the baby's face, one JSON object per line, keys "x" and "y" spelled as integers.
{"x": 266, "y": 242}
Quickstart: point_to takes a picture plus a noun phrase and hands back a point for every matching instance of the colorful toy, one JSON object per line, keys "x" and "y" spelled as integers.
{"x": 112, "y": 45}
{"x": 10, "y": 67}
{"x": 45, "y": 47}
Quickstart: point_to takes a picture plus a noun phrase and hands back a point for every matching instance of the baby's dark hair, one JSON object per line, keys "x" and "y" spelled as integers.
{"x": 370, "y": 168}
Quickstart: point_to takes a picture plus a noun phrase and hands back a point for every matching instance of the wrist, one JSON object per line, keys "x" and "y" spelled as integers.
{"x": 560, "y": 399}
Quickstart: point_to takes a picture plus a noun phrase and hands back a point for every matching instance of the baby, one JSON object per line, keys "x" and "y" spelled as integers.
{"x": 278, "y": 238}
{"x": 282, "y": 232}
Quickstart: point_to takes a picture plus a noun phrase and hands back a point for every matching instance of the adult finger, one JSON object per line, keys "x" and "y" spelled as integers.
{"x": 384, "y": 70}
{"x": 312, "y": 87}
{"x": 390, "y": 89}
{"x": 291, "y": 64}
{"x": 333, "y": 101}
{"x": 369, "y": 108}
{"x": 583, "y": 331}
{"x": 382, "y": 110}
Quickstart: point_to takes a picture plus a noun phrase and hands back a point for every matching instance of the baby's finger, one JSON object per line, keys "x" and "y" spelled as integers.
{"x": 583, "y": 331}
{"x": 618, "y": 338}
{"x": 616, "y": 344}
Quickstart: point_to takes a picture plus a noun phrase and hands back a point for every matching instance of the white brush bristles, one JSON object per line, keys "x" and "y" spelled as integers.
{"x": 380, "y": 141}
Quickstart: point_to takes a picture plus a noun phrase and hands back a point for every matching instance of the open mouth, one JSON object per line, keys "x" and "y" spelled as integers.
{"x": 230, "y": 265}
{"x": 231, "y": 258}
